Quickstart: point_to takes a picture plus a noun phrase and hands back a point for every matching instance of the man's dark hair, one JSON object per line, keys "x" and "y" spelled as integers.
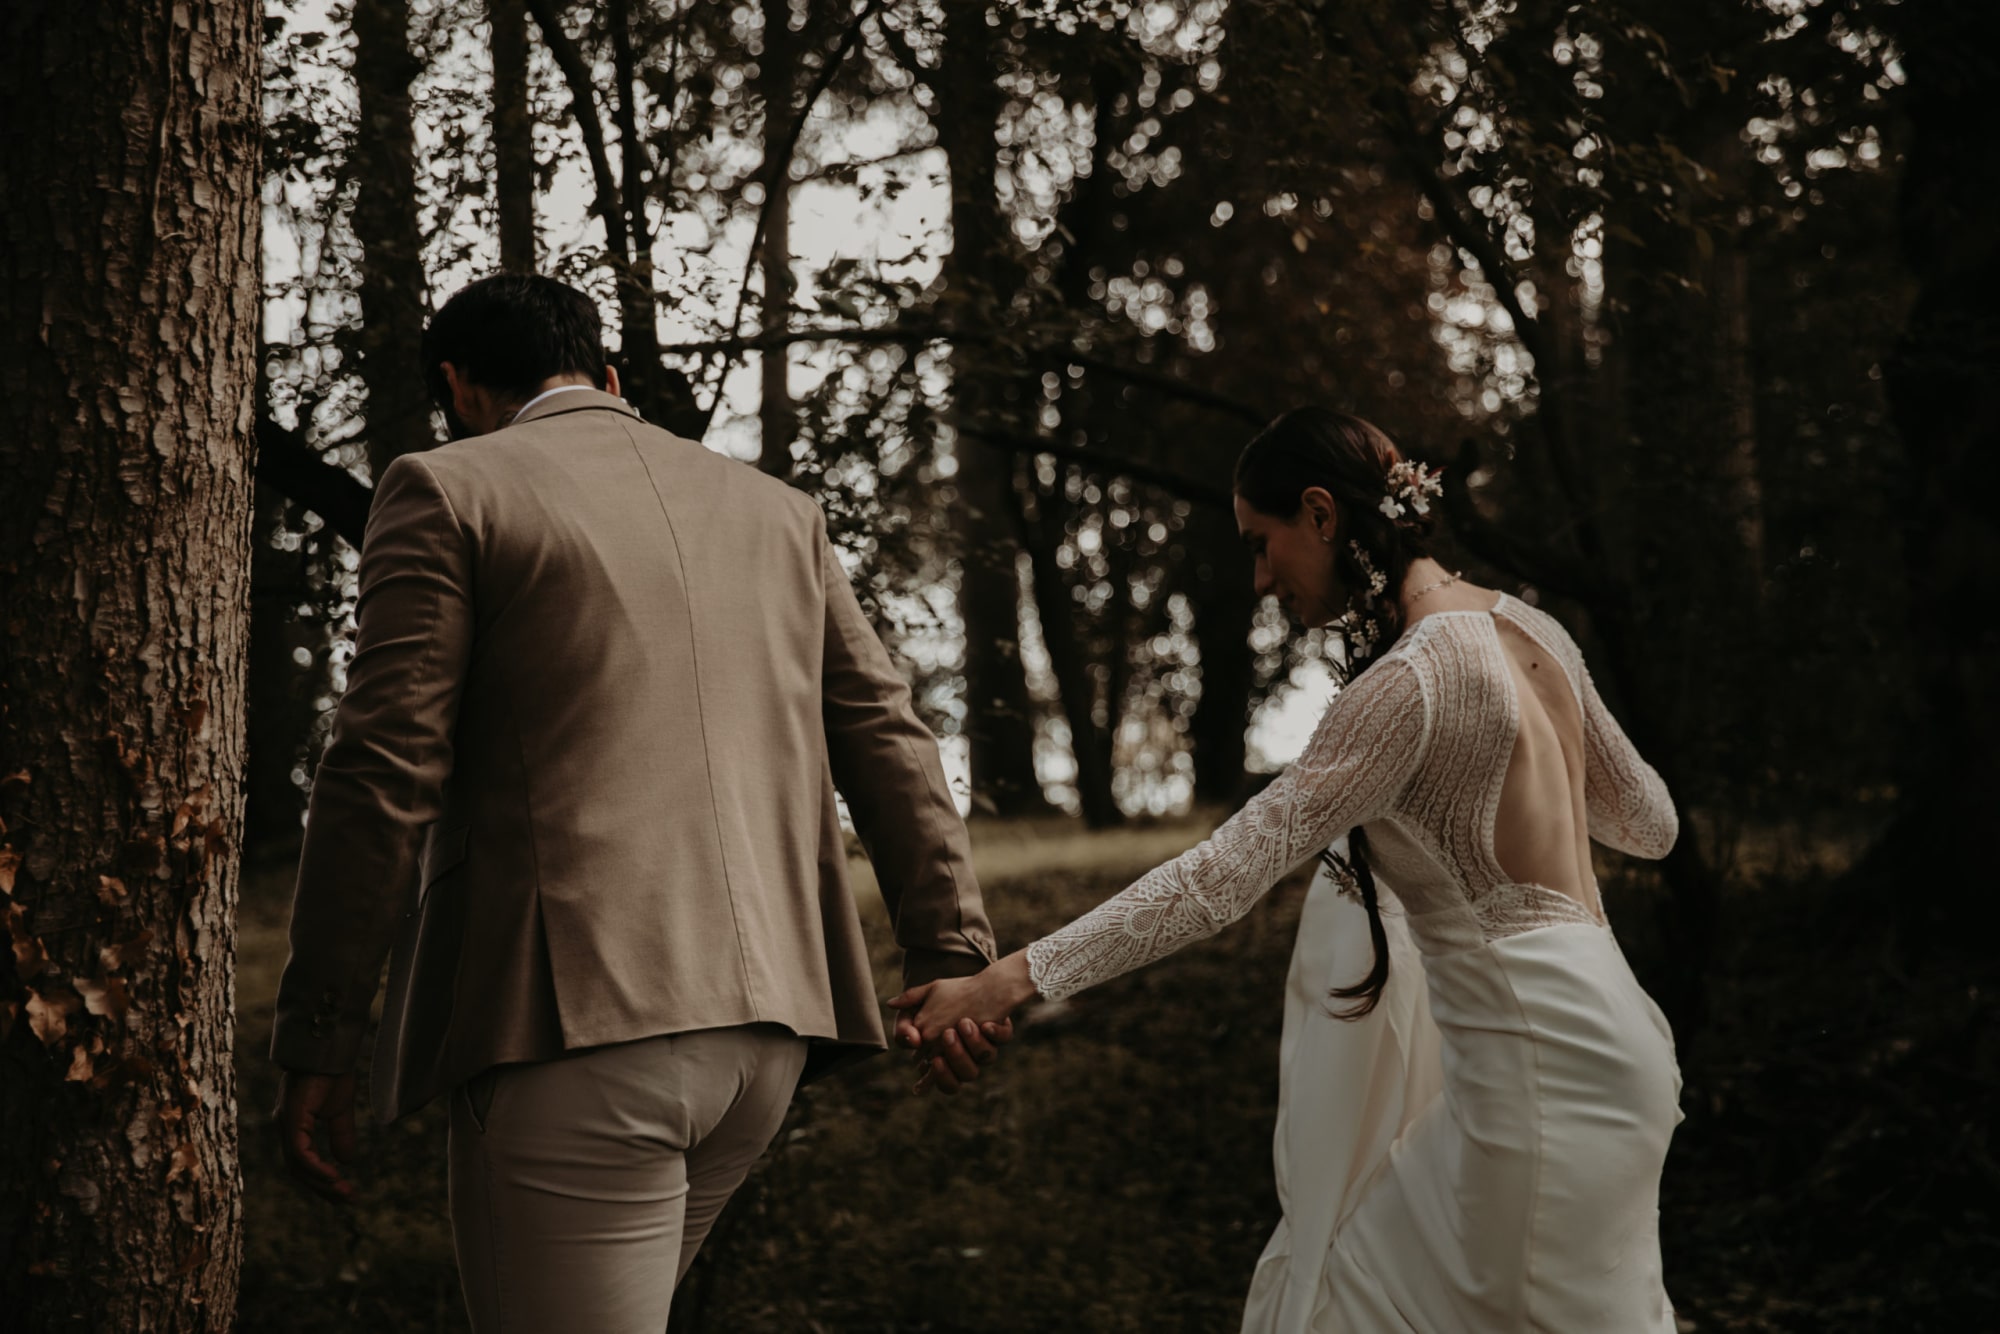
{"x": 511, "y": 332}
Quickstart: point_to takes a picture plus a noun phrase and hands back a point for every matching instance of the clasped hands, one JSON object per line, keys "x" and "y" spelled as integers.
{"x": 955, "y": 1026}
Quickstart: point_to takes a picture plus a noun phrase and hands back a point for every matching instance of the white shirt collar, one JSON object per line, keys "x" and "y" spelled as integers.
{"x": 548, "y": 393}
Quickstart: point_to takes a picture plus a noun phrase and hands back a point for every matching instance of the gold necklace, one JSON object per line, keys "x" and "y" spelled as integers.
{"x": 1428, "y": 589}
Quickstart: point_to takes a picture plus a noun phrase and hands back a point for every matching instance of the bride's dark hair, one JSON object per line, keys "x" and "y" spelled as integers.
{"x": 1351, "y": 459}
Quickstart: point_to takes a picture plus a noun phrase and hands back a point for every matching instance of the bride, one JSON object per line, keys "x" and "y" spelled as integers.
{"x": 1481, "y": 1151}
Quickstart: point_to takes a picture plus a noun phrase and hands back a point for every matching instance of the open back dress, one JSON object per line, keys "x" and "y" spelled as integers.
{"x": 1483, "y": 1151}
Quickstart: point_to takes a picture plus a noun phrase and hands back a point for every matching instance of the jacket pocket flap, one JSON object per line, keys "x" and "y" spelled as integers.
{"x": 444, "y": 850}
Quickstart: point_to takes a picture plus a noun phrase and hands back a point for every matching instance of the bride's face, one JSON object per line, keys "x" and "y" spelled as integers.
{"x": 1294, "y": 557}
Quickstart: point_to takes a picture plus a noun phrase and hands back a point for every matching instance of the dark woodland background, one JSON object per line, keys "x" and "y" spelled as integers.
{"x": 1694, "y": 299}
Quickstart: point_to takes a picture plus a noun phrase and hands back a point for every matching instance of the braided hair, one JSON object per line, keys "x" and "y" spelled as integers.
{"x": 1353, "y": 461}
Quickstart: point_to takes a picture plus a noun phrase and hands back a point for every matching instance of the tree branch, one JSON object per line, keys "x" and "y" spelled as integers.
{"x": 1186, "y": 488}
{"x": 776, "y": 172}
{"x": 1539, "y": 563}
{"x": 583, "y": 110}
{"x": 1173, "y": 386}
{"x": 303, "y": 476}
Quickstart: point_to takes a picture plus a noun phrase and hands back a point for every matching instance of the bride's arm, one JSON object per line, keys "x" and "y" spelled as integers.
{"x": 1625, "y": 797}
{"x": 1360, "y": 756}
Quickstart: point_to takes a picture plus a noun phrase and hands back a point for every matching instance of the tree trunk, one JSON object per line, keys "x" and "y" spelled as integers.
{"x": 1218, "y": 587}
{"x": 1000, "y": 722}
{"x": 513, "y": 136}
{"x": 385, "y": 222}
{"x": 778, "y": 65}
{"x": 1090, "y": 744}
{"x": 1940, "y": 388}
{"x": 281, "y": 689}
{"x": 128, "y": 319}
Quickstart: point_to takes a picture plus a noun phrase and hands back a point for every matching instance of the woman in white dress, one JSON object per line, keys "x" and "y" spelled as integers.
{"x": 1480, "y": 1150}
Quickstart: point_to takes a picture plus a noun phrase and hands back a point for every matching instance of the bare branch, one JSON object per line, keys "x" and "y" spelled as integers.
{"x": 776, "y": 173}
{"x": 583, "y": 110}
{"x": 302, "y": 475}
{"x": 1535, "y": 562}
{"x": 1166, "y": 479}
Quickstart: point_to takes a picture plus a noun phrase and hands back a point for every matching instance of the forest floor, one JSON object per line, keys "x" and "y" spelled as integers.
{"x": 1836, "y": 1171}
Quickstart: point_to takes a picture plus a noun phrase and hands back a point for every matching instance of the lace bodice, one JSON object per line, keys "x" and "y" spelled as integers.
{"x": 1416, "y": 748}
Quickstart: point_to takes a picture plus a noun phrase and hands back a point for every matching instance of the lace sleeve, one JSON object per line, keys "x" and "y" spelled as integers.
{"x": 1360, "y": 757}
{"x": 1626, "y": 799}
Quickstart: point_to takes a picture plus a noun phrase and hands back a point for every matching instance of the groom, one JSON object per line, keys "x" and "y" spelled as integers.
{"x": 604, "y": 687}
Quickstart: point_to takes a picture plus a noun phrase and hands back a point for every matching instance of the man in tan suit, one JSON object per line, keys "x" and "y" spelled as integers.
{"x": 607, "y": 682}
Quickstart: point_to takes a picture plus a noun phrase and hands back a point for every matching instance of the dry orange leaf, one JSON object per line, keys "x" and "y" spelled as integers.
{"x": 184, "y": 1163}
{"x": 79, "y": 1067}
{"x": 111, "y": 890}
{"x": 10, "y": 863}
{"x": 108, "y": 998}
{"x": 30, "y": 959}
{"x": 49, "y": 1016}
{"x": 127, "y": 954}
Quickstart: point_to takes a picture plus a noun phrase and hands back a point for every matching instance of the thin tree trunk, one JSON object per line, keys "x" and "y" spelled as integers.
{"x": 1218, "y": 587}
{"x": 999, "y": 722}
{"x": 513, "y": 136}
{"x": 281, "y": 688}
{"x": 778, "y": 69}
{"x": 385, "y": 222}
{"x": 128, "y": 312}
{"x": 1934, "y": 859}
{"x": 1090, "y": 744}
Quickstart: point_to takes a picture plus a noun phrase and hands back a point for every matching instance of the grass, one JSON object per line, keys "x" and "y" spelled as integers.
{"x": 1114, "y": 1172}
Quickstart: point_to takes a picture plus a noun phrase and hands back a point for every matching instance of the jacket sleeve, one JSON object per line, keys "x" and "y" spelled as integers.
{"x": 382, "y": 778}
{"x": 885, "y": 763}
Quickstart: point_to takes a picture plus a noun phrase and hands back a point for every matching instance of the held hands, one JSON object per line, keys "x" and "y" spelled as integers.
{"x": 307, "y": 1104}
{"x": 956, "y": 1025}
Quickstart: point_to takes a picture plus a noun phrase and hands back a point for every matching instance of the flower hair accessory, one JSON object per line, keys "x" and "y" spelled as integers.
{"x": 1409, "y": 486}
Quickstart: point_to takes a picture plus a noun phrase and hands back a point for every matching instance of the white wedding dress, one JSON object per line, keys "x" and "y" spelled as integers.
{"x": 1483, "y": 1151}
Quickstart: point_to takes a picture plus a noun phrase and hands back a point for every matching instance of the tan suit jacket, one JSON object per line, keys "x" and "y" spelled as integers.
{"x": 608, "y": 681}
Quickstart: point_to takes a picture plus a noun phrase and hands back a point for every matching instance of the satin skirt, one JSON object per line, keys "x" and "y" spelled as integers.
{"x": 1483, "y": 1152}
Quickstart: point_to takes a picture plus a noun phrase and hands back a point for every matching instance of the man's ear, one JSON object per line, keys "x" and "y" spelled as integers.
{"x": 611, "y": 385}
{"x": 461, "y": 392}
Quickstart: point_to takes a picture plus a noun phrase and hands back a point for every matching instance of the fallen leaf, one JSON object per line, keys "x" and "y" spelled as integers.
{"x": 107, "y": 997}
{"x": 184, "y": 1162}
{"x": 127, "y": 954}
{"x": 10, "y": 862}
{"x": 49, "y": 1016}
{"x": 79, "y": 1067}
{"x": 19, "y": 778}
{"x": 111, "y": 890}
{"x": 30, "y": 959}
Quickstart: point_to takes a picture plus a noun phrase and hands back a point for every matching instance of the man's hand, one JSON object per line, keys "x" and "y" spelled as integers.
{"x": 306, "y": 1105}
{"x": 957, "y": 1057}
{"x": 955, "y": 1025}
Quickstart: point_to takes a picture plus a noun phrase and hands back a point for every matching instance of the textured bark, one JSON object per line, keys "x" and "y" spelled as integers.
{"x": 128, "y": 314}
{"x": 999, "y": 722}
{"x": 513, "y": 136}
{"x": 385, "y": 222}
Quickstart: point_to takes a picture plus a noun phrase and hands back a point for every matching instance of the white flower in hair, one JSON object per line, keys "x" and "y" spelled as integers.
{"x": 1412, "y": 483}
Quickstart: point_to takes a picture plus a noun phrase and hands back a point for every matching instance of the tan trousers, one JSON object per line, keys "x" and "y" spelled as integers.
{"x": 581, "y": 1188}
